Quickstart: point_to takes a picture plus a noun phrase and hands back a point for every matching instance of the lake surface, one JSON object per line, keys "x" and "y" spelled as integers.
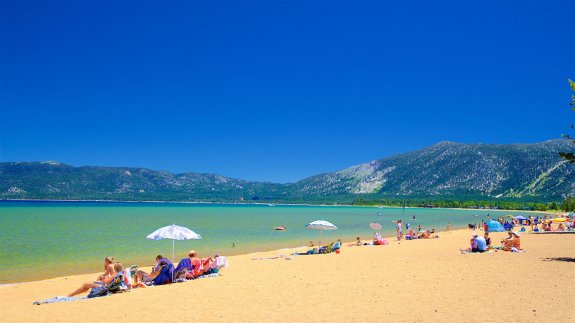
{"x": 50, "y": 239}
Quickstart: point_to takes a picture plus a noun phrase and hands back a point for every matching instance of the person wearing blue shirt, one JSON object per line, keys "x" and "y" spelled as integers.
{"x": 480, "y": 244}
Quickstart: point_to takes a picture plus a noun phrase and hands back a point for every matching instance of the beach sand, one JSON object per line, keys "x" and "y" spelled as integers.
{"x": 411, "y": 281}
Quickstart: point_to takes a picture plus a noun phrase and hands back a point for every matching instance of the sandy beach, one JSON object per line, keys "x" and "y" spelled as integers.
{"x": 411, "y": 281}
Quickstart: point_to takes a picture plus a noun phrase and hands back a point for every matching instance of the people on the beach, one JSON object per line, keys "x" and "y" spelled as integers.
{"x": 487, "y": 239}
{"x": 477, "y": 244}
{"x": 398, "y": 229}
{"x": 102, "y": 280}
{"x": 159, "y": 260}
{"x": 448, "y": 227}
{"x": 358, "y": 241}
{"x": 216, "y": 263}
{"x": 512, "y": 243}
{"x": 310, "y": 243}
{"x": 160, "y": 275}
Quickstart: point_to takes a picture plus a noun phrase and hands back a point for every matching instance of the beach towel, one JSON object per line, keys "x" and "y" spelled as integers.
{"x": 219, "y": 262}
{"x": 59, "y": 299}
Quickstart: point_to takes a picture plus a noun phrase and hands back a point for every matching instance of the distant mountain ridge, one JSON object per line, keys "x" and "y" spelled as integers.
{"x": 444, "y": 170}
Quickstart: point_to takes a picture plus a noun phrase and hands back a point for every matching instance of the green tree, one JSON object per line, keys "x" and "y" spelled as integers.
{"x": 570, "y": 156}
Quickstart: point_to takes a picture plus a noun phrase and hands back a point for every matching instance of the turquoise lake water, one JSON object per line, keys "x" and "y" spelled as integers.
{"x": 50, "y": 239}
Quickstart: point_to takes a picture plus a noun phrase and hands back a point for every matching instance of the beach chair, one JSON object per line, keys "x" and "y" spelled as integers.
{"x": 326, "y": 249}
{"x": 117, "y": 285}
{"x": 165, "y": 276}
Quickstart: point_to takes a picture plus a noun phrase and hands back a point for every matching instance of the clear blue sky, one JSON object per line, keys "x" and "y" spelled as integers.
{"x": 277, "y": 90}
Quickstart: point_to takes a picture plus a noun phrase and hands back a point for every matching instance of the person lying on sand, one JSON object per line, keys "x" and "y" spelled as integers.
{"x": 427, "y": 235}
{"x": 102, "y": 280}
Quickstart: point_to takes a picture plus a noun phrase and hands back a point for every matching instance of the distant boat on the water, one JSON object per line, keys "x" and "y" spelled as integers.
{"x": 280, "y": 228}
{"x": 271, "y": 204}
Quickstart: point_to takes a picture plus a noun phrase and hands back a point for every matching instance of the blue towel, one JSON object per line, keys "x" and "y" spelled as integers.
{"x": 185, "y": 263}
{"x": 165, "y": 276}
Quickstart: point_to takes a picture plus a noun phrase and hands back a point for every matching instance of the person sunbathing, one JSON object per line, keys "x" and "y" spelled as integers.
{"x": 163, "y": 269}
{"x": 102, "y": 280}
{"x": 425, "y": 235}
{"x": 358, "y": 242}
{"x": 192, "y": 266}
{"x": 217, "y": 262}
{"x": 513, "y": 243}
{"x": 560, "y": 227}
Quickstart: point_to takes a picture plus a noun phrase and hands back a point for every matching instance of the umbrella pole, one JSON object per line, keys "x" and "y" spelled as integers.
{"x": 173, "y": 258}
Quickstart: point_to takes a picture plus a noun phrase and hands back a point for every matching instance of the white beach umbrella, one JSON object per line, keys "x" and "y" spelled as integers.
{"x": 321, "y": 225}
{"x": 174, "y": 232}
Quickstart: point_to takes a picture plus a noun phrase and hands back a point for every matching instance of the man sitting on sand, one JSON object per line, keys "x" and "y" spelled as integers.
{"x": 477, "y": 244}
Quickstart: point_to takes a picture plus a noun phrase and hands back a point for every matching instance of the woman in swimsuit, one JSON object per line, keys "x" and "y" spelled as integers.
{"x": 103, "y": 279}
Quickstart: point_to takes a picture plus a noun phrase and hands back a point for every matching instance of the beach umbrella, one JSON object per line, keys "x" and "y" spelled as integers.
{"x": 321, "y": 225}
{"x": 174, "y": 232}
{"x": 521, "y": 218}
{"x": 557, "y": 220}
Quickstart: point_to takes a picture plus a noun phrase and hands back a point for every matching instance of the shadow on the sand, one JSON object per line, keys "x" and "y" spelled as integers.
{"x": 566, "y": 259}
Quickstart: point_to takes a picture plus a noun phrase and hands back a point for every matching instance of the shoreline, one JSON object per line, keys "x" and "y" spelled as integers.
{"x": 290, "y": 249}
{"x": 362, "y": 283}
{"x": 50, "y": 270}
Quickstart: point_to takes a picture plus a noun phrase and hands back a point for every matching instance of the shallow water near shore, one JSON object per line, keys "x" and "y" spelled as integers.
{"x": 50, "y": 239}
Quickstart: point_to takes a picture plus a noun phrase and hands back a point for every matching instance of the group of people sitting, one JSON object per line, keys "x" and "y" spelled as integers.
{"x": 116, "y": 279}
{"x": 482, "y": 244}
{"x": 548, "y": 227}
{"x": 332, "y": 247}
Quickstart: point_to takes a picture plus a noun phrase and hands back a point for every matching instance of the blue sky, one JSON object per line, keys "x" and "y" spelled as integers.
{"x": 277, "y": 90}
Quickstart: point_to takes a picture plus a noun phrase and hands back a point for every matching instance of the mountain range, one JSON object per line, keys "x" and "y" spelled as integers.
{"x": 442, "y": 171}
